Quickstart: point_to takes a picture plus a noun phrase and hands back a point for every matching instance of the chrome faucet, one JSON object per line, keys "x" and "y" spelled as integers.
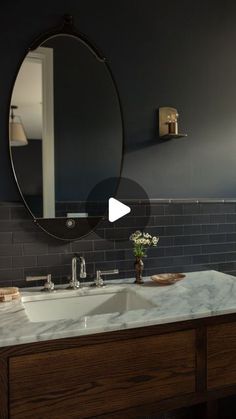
{"x": 74, "y": 283}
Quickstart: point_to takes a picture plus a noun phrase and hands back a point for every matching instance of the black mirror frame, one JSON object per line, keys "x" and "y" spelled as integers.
{"x": 60, "y": 228}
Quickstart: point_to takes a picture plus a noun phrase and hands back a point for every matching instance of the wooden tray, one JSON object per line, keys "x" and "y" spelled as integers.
{"x": 9, "y": 293}
{"x": 167, "y": 279}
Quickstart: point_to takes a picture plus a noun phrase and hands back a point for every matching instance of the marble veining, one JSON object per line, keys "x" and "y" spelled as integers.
{"x": 200, "y": 294}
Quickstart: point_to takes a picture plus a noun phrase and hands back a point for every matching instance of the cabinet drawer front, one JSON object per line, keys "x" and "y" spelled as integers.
{"x": 221, "y": 355}
{"x": 88, "y": 381}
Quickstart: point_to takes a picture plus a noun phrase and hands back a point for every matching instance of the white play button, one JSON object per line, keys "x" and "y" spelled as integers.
{"x": 117, "y": 210}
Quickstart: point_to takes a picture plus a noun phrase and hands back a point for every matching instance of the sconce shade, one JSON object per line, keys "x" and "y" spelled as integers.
{"x": 16, "y": 130}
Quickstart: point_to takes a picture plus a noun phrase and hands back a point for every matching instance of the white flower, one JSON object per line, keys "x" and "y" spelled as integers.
{"x": 155, "y": 240}
{"x": 143, "y": 240}
{"x": 135, "y": 235}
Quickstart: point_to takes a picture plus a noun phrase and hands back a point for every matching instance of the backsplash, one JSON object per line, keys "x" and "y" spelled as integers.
{"x": 192, "y": 237}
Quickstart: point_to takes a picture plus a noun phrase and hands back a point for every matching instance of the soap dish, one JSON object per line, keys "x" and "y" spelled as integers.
{"x": 9, "y": 294}
{"x": 167, "y": 279}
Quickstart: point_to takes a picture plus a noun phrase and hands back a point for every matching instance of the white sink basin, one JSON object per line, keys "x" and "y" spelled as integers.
{"x": 71, "y": 307}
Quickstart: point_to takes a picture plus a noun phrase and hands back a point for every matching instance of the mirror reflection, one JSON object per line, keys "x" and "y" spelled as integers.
{"x": 65, "y": 103}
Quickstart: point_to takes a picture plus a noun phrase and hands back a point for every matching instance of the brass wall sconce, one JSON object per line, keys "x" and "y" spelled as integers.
{"x": 168, "y": 123}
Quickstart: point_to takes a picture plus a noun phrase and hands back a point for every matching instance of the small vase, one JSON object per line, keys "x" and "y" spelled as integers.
{"x": 138, "y": 266}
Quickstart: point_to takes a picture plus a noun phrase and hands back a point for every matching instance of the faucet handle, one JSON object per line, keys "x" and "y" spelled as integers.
{"x": 48, "y": 285}
{"x": 99, "y": 280}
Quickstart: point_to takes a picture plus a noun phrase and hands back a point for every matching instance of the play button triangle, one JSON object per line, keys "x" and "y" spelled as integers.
{"x": 116, "y": 210}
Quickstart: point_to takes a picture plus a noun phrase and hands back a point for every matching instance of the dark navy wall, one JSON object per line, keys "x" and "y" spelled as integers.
{"x": 161, "y": 53}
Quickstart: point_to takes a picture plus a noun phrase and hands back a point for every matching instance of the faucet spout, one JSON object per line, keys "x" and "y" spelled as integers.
{"x": 83, "y": 273}
{"x": 74, "y": 283}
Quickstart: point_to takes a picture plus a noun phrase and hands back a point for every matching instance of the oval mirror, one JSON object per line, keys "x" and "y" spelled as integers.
{"x": 65, "y": 133}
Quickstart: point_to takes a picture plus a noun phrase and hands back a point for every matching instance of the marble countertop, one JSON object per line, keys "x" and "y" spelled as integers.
{"x": 199, "y": 294}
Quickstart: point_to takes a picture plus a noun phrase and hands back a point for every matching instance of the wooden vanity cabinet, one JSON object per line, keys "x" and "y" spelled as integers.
{"x": 101, "y": 378}
{"x": 123, "y": 374}
{"x": 221, "y": 356}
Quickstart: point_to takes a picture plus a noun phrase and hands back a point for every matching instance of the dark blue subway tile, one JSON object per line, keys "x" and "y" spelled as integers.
{"x": 118, "y": 234}
{"x": 166, "y": 241}
{"x": 29, "y": 237}
{"x": 200, "y": 219}
{"x": 191, "y": 209}
{"x": 66, "y": 258}
{"x": 5, "y": 262}
{"x": 129, "y": 222}
{"x": 94, "y": 256}
{"x": 192, "y": 250}
{"x": 49, "y": 260}
{"x": 230, "y": 256}
{"x": 165, "y": 220}
{"x": 158, "y": 262}
{"x": 156, "y": 252}
{"x": 103, "y": 244}
{"x": 209, "y": 228}
{"x": 60, "y": 247}
{"x": 24, "y": 261}
{"x": 116, "y": 255}
{"x": 35, "y": 249}
{"x": 217, "y": 238}
{"x": 10, "y": 249}
{"x": 231, "y": 237}
{"x": 157, "y": 209}
{"x": 200, "y": 239}
{"x": 182, "y": 240}
{"x": 218, "y": 257}
{"x": 174, "y": 209}
{"x": 173, "y": 251}
{"x": 82, "y": 246}
{"x": 182, "y": 260}
{"x": 219, "y": 248}
{"x": 8, "y": 275}
{"x": 192, "y": 229}
{"x": 226, "y": 266}
{"x": 212, "y": 208}
{"x": 123, "y": 244}
{"x": 20, "y": 213}
{"x": 226, "y": 228}
{"x": 138, "y": 210}
{"x": 6, "y": 238}
{"x": 230, "y": 218}
{"x": 200, "y": 259}
{"x": 183, "y": 219}
{"x": 218, "y": 218}
{"x": 4, "y": 213}
{"x": 174, "y": 230}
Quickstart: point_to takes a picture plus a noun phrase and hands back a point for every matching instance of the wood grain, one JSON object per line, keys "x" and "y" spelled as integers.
{"x": 97, "y": 379}
{"x": 3, "y": 387}
{"x": 221, "y": 355}
{"x": 201, "y": 361}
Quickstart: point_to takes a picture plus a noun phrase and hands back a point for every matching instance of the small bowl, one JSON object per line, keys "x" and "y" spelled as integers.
{"x": 167, "y": 279}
